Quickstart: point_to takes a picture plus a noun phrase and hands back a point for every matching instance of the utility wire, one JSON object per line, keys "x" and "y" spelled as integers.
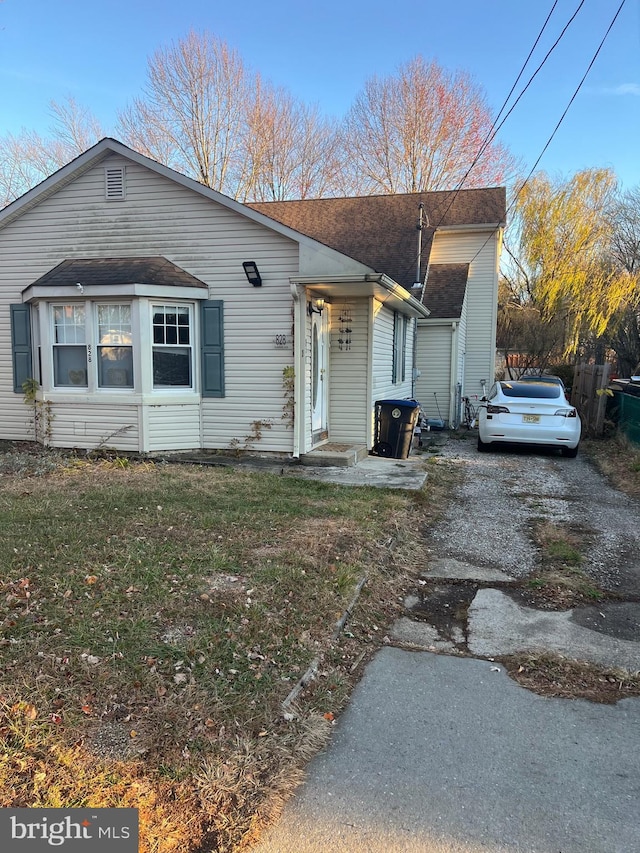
{"x": 496, "y": 127}
{"x": 555, "y": 130}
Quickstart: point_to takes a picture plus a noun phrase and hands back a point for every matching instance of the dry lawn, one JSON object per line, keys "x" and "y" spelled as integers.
{"x": 153, "y": 619}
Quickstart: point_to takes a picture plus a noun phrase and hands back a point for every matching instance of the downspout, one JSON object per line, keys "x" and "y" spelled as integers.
{"x": 298, "y": 371}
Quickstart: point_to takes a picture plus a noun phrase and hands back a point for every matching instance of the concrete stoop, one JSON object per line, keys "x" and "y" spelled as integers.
{"x": 335, "y": 455}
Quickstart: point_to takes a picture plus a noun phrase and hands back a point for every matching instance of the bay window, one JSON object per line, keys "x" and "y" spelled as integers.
{"x": 96, "y": 345}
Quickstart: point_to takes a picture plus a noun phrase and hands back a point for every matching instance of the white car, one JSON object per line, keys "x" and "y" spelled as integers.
{"x": 528, "y": 413}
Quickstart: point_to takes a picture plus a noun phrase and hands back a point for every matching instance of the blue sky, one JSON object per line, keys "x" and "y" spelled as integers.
{"x": 324, "y": 52}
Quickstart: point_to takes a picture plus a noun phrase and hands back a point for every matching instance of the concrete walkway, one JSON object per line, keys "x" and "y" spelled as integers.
{"x": 441, "y": 754}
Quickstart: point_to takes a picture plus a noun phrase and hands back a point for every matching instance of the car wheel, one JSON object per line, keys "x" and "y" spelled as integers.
{"x": 570, "y": 452}
{"x": 483, "y": 447}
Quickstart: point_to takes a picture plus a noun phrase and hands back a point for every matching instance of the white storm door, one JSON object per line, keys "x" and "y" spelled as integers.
{"x": 319, "y": 373}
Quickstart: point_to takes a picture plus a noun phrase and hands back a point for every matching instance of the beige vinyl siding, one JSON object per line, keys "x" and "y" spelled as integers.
{"x": 434, "y": 363}
{"x": 177, "y": 427}
{"x": 481, "y": 300}
{"x": 383, "y": 386}
{"x": 349, "y": 407}
{"x": 91, "y": 426}
{"x": 161, "y": 217}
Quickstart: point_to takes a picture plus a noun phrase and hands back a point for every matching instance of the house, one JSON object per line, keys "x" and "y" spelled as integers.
{"x": 448, "y": 243}
{"x": 155, "y": 314}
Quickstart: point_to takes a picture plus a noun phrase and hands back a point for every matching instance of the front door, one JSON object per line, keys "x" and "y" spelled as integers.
{"x": 319, "y": 375}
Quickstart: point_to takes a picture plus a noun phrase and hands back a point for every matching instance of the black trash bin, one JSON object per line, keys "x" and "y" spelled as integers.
{"x": 395, "y": 423}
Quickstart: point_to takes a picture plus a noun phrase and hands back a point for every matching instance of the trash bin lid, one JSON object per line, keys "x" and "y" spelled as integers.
{"x": 411, "y": 404}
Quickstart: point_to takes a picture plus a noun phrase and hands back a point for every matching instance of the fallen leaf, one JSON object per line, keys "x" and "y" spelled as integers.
{"x": 90, "y": 579}
{"x": 30, "y": 712}
{"x": 329, "y": 716}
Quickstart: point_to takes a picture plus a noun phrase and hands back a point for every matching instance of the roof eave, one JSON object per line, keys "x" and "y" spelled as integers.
{"x": 378, "y": 285}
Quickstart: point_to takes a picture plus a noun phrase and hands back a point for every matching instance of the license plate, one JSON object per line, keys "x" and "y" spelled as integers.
{"x": 531, "y": 419}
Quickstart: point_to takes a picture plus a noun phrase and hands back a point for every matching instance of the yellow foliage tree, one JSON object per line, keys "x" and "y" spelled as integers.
{"x": 559, "y": 251}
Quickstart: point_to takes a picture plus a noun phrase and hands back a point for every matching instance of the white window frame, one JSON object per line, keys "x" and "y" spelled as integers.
{"x": 157, "y": 347}
{"x": 79, "y": 343}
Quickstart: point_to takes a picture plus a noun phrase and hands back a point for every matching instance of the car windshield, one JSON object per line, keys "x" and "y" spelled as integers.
{"x": 537, "y": 390}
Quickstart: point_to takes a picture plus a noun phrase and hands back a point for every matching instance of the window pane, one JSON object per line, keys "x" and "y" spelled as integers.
{"x": 114, "y": 324}
{"x": 171, "y": 367}
{"x": 69, "y": 324}
{"x": 115, "y": 367}
{"x": 70, "y": 366}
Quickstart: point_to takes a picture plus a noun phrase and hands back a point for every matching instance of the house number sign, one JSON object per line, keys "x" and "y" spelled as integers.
{"x": 280, "y": 341}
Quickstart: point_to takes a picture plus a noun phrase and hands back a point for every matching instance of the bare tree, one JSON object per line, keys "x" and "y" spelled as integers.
{"x": 290, "y": 149}
{"x": 28, "y": 157}
{"x": 525, "y": 339}
{"x": 623, "y": 331}
{"x": 421, "y": 129}
{"x": 190, "y": 115}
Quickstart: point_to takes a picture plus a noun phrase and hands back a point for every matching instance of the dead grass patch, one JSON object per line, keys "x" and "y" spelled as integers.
{"x": 154, "y": 617}
{"x": 619, "y": 460}
{"x": 552, "y": 675}
{"x": 560, "y": 583}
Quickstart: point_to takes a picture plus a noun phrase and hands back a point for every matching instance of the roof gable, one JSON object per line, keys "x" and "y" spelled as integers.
{"x": 106, "y": 147}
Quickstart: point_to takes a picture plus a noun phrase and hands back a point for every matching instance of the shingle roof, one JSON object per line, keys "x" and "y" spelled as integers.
{"x": 381, "y": 231}
{"x": 445, "y": 290}
{"x": 153, "y": 270}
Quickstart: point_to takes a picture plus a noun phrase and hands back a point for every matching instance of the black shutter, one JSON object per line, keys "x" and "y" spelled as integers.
{"x": 21, "y": 345}
{"x": 212, "y": 337}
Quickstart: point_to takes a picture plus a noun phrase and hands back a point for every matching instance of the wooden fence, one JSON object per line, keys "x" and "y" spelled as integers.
{"x": 588, "y": 379}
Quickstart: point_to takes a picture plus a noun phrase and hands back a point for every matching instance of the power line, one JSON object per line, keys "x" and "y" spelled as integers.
{"x": 560, "y": 120}
{"x": 496, "y": 127}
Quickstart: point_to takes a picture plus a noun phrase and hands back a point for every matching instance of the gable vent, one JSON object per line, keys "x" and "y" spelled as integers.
{"x": 114, "y": 187}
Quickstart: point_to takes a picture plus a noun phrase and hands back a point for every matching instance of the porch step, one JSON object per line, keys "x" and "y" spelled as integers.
{"x": 339, "y": 455}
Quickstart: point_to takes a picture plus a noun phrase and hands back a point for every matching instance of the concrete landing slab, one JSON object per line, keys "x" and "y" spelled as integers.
{"x": 452, "y": 569}
{"x": 499, "y": 626}
{"x": 372, "y": 471}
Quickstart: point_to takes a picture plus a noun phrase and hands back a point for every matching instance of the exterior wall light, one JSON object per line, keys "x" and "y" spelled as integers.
{"x": 252, "y": 274}
{"x": 316, "y": 306}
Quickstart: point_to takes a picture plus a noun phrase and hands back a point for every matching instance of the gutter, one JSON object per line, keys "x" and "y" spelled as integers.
{"x": 387, "y": 284}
